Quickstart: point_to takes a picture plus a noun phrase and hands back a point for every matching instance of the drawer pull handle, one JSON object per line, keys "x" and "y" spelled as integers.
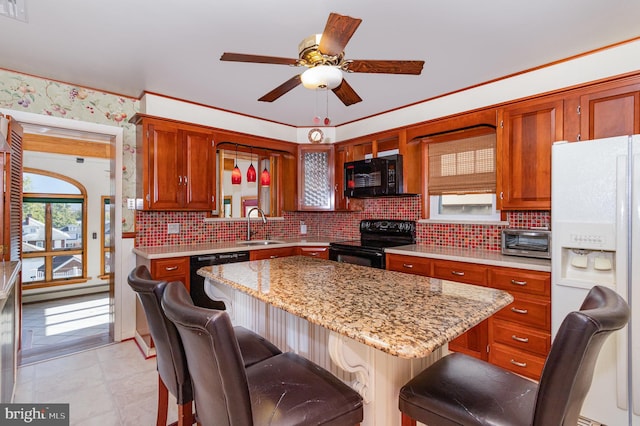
{"x": 407, "y": 265}
{"x": 519, "y": 364}
{"x": 273, "y": 256}
{"x": 313, "y": 253}
{"x": 458, "y": 273}
{"x": 516, "y": 282}
{"x": 520, "y": 311}
{"x": 170, "y": 268}
{"x": 520, "y": 339}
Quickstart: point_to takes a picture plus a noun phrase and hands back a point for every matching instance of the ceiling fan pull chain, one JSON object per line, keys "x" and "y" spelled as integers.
{"x": 326, "y": 117}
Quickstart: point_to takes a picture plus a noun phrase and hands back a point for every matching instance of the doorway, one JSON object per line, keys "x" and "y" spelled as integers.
{"x": 111, "y": 137}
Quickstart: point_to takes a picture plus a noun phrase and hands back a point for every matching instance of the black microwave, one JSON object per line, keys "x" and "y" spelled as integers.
{"x": 373, "y": 177}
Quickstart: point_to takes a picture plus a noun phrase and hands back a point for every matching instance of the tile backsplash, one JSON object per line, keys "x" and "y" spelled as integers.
{"x": 151, "y": 227}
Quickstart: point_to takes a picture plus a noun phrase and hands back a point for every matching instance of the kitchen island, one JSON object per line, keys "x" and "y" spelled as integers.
{"x": 372, "y": 328}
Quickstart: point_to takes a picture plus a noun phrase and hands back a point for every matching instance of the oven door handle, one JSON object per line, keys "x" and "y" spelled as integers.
{"x": 356, "y": 251}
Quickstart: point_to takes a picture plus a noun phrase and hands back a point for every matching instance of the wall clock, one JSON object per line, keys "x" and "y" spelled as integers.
{"x": 316, "y": 136}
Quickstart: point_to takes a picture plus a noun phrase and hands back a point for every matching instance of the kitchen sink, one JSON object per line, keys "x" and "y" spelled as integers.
{"x": 259, "y": 242}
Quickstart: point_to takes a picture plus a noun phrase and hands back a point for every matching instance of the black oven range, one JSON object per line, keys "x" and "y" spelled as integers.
{"x": 375, "y": 235}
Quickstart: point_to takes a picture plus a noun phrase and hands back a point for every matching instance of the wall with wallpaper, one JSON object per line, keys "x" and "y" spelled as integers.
{"x": 40, "y": 96}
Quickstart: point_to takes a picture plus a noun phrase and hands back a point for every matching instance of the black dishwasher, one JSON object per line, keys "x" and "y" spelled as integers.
{"x": 198, "y": 294}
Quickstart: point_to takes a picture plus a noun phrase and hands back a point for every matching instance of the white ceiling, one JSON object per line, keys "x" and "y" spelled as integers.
{"x": 173, "y": 47}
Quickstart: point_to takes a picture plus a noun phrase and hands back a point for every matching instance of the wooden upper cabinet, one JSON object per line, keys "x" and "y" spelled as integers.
{"x": 316, "y": 166}
{"x": 608, "y": 113}
{"x": 527, "y": 131}
{"x": 177, "y": 166}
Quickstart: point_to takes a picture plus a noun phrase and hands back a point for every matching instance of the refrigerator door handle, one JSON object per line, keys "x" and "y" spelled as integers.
{"x": 623, "y": 245}
{"x": 634, "y": 282}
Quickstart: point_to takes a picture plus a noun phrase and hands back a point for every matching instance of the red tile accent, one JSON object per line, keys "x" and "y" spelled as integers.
{"x": 151, "y": 227}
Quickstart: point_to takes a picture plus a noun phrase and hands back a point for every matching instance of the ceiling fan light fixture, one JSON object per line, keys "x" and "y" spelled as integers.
{"x": 322, "y": 77}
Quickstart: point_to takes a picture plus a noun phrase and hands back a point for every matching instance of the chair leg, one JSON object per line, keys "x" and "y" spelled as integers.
{"x": 163, "y": 403}
{"x": 185, "y": 414}
{"x": 407, "y": 421}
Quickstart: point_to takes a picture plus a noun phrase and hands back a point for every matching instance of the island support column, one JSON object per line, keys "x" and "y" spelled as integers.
{"x": 376, "y": 375}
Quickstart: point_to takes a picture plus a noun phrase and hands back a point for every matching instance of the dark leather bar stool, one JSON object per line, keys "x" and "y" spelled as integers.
{"x": 461, "y": 390}
{"x": 173, "y": 374}
{"x": 283, "y": 390}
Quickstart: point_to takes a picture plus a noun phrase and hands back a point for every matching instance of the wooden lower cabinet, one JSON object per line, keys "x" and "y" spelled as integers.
{"x": 518, "y": 337}
{"x": 319, "y": 252}
{"x": 409, "y": 264}
{"x": 272, "y": 253}
{"x": 171, "y": 269}
{"x": 520, "y": 334}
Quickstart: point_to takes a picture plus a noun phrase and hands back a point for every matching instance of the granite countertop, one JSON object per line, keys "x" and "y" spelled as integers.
{"x": 408, "y": 316}
{"x": 447, "y": 253}
{"x": 493, "y": 258}
{"x": 9, "y": 271}
{"x": 161, "y": 252}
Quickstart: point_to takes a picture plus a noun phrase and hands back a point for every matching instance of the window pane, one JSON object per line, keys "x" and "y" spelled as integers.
{"x": 67, "y": 226}
{"x": 33, "y": 229}
{"x": 107, "y": 224}
{"x": 469, "y": 204}
{"x": 42, "y": 184}
{"x": 32, "y": 269}
{"x": 107, "y": 262}
{"x": 67, "y": 266}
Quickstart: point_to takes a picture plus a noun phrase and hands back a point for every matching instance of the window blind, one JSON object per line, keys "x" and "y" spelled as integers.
{"x": 463, "y": 166}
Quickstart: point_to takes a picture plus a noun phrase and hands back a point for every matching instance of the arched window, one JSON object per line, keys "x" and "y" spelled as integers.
{"x": 53, "y": 229}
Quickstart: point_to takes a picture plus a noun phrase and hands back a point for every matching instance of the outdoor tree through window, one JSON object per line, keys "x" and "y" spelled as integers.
{"x": 53, "y": 237}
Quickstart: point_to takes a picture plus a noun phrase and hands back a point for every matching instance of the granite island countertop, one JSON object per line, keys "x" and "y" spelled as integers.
{"x": 404, "y": 315}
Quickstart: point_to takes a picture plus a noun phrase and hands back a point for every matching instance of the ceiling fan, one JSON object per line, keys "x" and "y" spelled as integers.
{"x": 323, "y": 56}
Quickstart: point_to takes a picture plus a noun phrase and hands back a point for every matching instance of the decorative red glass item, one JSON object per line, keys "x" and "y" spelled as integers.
{"x": 236, "y": 176}
{"x": 251, "y": 173}
{"x": 265, "y": 178}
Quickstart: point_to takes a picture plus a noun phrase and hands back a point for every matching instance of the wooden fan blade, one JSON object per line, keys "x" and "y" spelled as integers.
{"x": 347, "y": 95}
{"x": 282, "y": 89}
{"x": 337, "y": 33}
{"x": 241, "y": 57}
{"x": 386, "y": 67}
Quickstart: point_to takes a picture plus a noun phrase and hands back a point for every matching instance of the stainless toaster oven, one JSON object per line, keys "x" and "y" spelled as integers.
{"x": 527, "y": 242}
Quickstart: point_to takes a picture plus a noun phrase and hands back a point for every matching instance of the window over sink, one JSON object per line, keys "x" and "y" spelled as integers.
{"x": 462, "y": 178}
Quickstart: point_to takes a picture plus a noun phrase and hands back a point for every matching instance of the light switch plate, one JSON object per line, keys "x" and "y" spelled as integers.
{"x": 173, "y": 228}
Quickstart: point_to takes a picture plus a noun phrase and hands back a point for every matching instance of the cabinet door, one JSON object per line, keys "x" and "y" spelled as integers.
{"x": 524, "y": 154}
{"x": 316, "y": 189}
{"x": 198, "y": 179}
{"x": 608, "y": 113}
{"x": 164, "y": 189}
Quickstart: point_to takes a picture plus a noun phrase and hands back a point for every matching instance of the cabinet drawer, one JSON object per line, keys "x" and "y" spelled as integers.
{"x": 532, "y": 312}
{"x": 319, "y": 252}
{"x": 272, "y": 253}
{"x": 410, "y": 264}
{"x": 461, "y": 272}
{"x": 522, "y": 338}
{"x": 170, "y": 267}
{"x": 520, "y": 362}
{"x": 530, "y": 282}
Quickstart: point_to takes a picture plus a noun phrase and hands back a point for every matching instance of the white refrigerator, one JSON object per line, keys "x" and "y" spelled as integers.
{"x": 595, "y": 224}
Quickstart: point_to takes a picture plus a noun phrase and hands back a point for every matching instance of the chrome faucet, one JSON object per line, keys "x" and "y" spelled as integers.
{"x": 264, "y": 220}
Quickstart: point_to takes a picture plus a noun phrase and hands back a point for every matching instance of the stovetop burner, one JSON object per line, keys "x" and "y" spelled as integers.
{"x": 378, "y": 234}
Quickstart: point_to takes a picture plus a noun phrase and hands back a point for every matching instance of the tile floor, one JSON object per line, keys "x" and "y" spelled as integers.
{"x": 110, "y": 385}
{"x": 62, "y": 326}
